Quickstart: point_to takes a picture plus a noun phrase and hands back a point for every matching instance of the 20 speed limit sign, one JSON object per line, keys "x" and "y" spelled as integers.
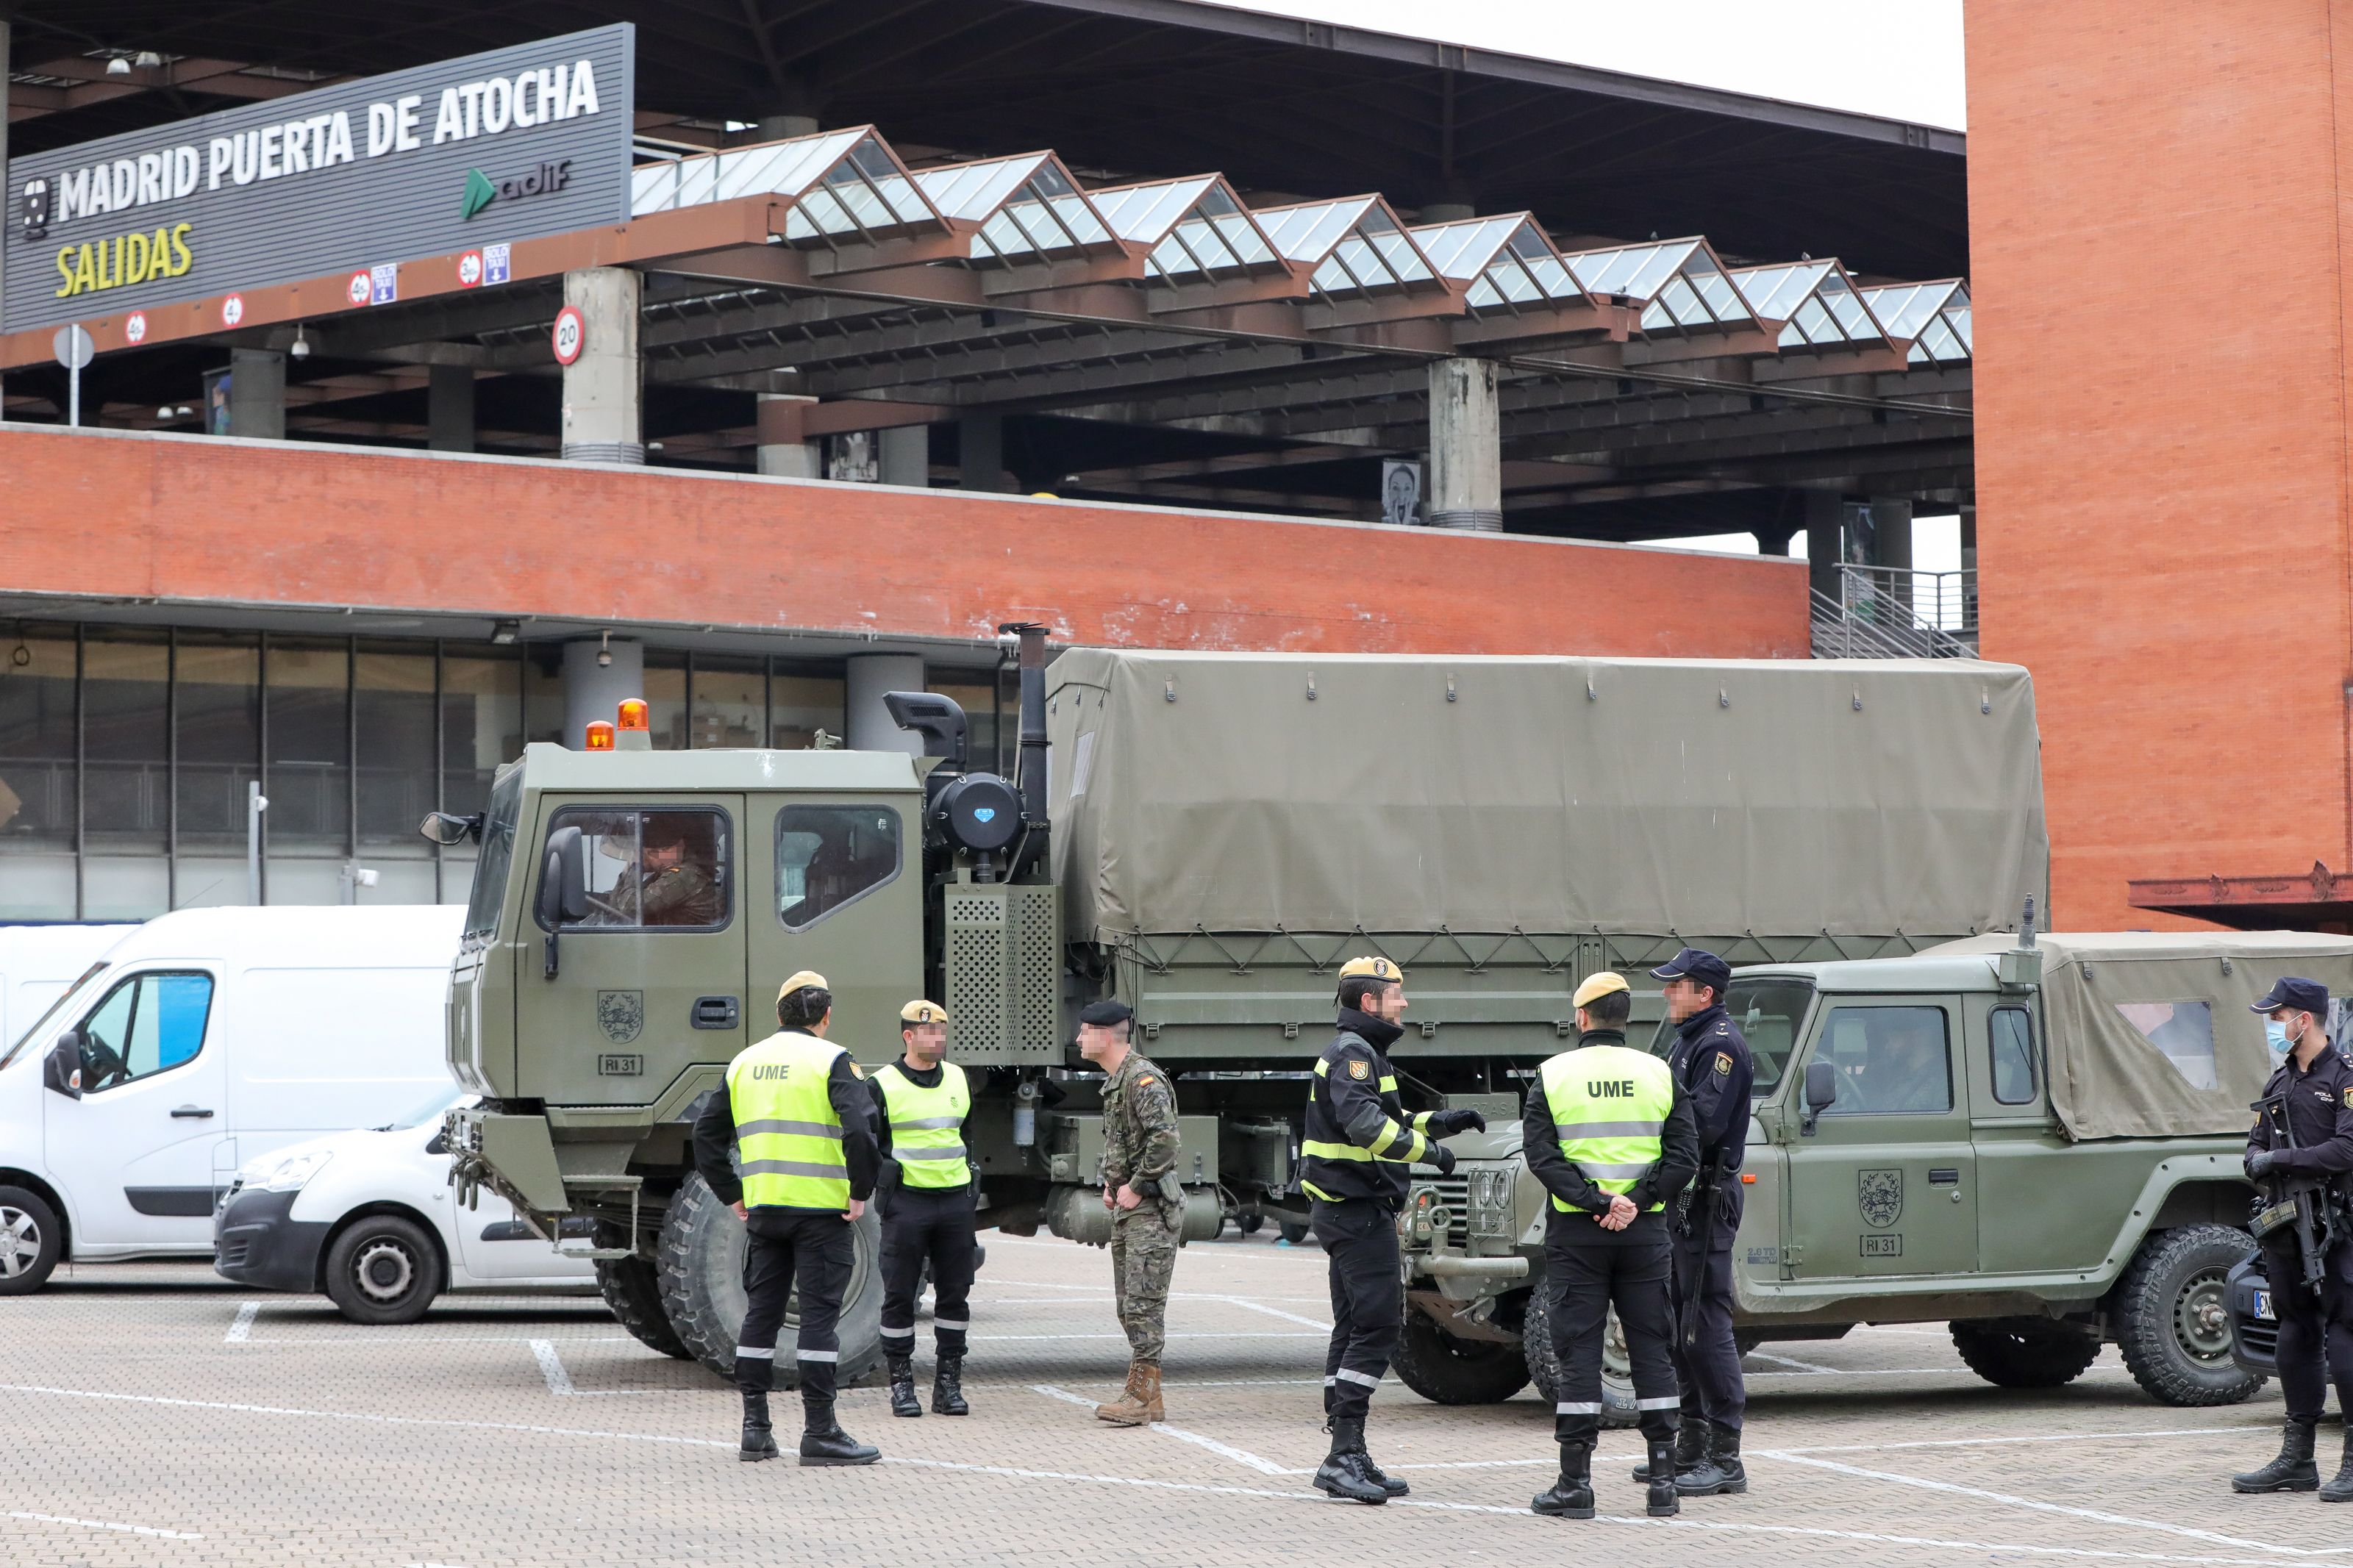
{"x": 571, "y": 334}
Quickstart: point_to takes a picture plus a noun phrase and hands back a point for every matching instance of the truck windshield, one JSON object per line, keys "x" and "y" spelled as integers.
{"x": 1768, "y": 1010}
{"x": 498, "y": 851}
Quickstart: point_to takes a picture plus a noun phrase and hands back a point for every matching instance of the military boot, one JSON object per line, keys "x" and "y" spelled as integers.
{"x": 759, "y": 1436}
{"x": 823, "y": 1442}
{"x": 902, "y": 1385}
{"x": 947, "y": 1387}
{"x": 1375, "y": 1473}
{"x": 1720, "y": 1472}
{"x": 1571, "y": 1497}
{"x": 2340, "y": 1485}
{"x": 1691, "y": 1447}
{"x": 2292, "y": 1471}
{"x": 1662, "y": 1503}
{"x": 1129, "y": 1409}
{"x": 1342, "y": 1473}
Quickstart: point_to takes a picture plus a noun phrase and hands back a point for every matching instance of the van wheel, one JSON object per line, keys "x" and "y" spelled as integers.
{"x": 2173, "y": 1315}
{"x": 2026, "y": 1353}
{"x": 382, "y": 1269}
{"x": 702, "y": 1271}
{"x": 30, "y": 1240}
{"x": 1617, "y": 1368}
{"x": 1446, "y": 1369}
{"x": 633, "y": 1289}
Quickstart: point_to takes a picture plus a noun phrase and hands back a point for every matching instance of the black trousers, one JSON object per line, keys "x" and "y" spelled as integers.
{"x": 1707, "y": 1361}
{"x": 922, "y": 1226}
{"x": 1360, "y": 1238}
{"x": 2311, "y": 1326}
{"x": 1587, "y": 1270}
{"x": 783, "y": 1248}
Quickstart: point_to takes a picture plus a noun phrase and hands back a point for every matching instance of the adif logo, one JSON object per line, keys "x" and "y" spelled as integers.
{"x": 543, "y": 181}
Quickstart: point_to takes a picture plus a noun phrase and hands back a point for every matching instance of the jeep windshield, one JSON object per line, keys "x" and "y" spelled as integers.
{"x": 498, "y": 852}
{"x": 1768, "y": 1010}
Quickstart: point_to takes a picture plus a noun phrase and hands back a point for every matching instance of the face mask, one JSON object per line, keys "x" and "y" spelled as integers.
{"x": 2275, "y": 1033}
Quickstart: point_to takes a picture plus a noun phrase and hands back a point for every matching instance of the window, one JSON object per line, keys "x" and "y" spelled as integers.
{"x": 1768, "y": 1013}
{"x": 1891, "y": 1060}
{"x": 126, "y": 781}
{"x": 490, "y": 889}
{"x": 392, "y": 735}
{"x": 829, "y": 856}
{"x": 307, "y": 689}
{"x": 147, "y": 1024}
{"x": 651, "y": 869}
{"x": 2012, "y": 1035}
{"x": 2184, "y": 1031}
{"x": 36, "y": 740}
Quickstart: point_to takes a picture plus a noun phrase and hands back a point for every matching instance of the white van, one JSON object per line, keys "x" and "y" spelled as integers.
{"x": 38, "y": 964}
{"x": 206, "y": 1038}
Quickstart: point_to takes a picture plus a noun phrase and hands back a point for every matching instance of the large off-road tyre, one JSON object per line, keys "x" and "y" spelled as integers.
{"x": 1446, "y": 1370}
{"x": 31, "y": 1240}
{"x": 384, "y": 1268}
{"x": 2026, "y": 1353}
{"x": 2173, "y": 1315}
{"x": 1617, "y": 1369}
{"x": 702, "y": 1271}
{"x": 631, "y": 1286}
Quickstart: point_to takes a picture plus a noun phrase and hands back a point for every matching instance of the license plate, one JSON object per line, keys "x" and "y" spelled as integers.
{"x": 2264, "y": 1305}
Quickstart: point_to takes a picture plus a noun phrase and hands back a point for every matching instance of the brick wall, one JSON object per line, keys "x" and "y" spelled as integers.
{"x": 196, "y": 519}
{"x": 2158, "y": 269}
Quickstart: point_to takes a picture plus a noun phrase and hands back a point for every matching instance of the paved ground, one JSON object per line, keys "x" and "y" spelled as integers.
{"x": 156, "y": 1415}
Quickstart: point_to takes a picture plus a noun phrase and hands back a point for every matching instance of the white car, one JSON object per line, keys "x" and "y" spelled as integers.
{"x": 370, "y": 1218}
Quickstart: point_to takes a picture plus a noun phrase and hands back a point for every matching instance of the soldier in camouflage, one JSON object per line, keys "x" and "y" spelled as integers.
{"x": 1147, "y": 1206}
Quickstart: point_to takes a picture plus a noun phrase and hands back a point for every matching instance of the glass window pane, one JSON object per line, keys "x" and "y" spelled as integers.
{"x": 394, "y": 693}
{"x": 2012, "y": 1035}
{"x": 651, "y": 869}
{"x": 147, "y": 1024}
{"x": 220, "y": 728}
{"x": 829, "y": 856}
{"x": 543, "y": 693}
{"x": 1891, "y": 1060}
{"x": 801, "y": 705}
{"x": 2184, "y": 1031}
{"x": 1769, "y": 1013}
{"x": 308, "y": 687}
{"x": 666, "y": 700}
{"x": 731, "y": 702}
{"x": 123, "y": 739}
{"x": 981, "y": 729}
{"x": 36, "y": 740}
{"x": 482, "y": 724}
{"x": 490, "y": 889}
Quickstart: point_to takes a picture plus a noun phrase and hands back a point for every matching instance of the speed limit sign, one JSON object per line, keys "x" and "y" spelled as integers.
{"x": 571, "y": 334}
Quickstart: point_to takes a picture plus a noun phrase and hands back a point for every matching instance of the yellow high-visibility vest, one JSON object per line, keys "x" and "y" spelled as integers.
{"x": 927, "y": 1126}
{"x": 1609, "y": 1106}
{"x": 787, "y": 1134}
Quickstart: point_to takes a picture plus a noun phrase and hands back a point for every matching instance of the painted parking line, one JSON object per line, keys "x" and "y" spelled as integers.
{"x": 551, "y": 1367}
{"x": 102, "y": 1524}
{"x": 1239, "y": 1456}
{"x": 240, "y": 1331}
{"x": 1791, "y": 1361}
{"x": 2266, "y": 1428}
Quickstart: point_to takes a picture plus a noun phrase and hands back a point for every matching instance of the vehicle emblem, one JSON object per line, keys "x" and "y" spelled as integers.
{"x": 621, "y": 1015}
{"x": 1880, "y": 1196}
{"x": 984, "y": 813}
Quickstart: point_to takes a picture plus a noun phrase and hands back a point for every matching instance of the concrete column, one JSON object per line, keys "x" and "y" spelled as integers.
{"x": 869, "y": 724}
{"x": 257, "y": 394}
{"x": 450, "y": 408}
{"x": 785, "y": 450}
{"x": 1776, "y": 540}
{"x": 785, "y": 127}
{"x": 1825, "y": 539}
{"x": 980, "y": 449}
{"x": 592, "y": 690}
{"x": 905, "y": 455}
{"x": 1466, "y": 447}
{"x": 1446, "y": 211}
{"x": 604, "y": 394}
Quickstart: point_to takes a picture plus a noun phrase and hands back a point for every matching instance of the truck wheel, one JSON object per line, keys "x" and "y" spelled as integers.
{"x": 2026, "y": 1353}
{"x": 631, "y": 1286}
{"x": 1293, "y": 1234}
{"x": 2173, "y": 1318}
{"x": 382, "y": 1269}
{"x": 1446, "y": 1369}
{"x": 30, "y": 1240}
{"x": 1617, "y": 1369}
{"x": 701, "y": 1270}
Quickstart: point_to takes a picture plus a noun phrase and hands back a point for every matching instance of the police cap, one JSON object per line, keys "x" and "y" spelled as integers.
{"x": 1699, "y": 966}
{"x": 1106, "y": 1011}
{"x": 804, "y": 980}
{"x": 1596, "y": 986}
{"x": 2304, "y": 995}
{"x": 921, "y": 1012}
{"x": 1371, "y": 969}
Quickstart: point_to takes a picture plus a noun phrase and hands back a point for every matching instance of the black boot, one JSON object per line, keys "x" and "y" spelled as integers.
{"x": 903, "y": 1384}
{"x": 947, "y": 1387}
{"x": 759, "y": 1437}
{"x": 2292, "y": 1471}
{"x": 1571, "y": 1496}
{"x": 823, "y": 1442}
{"x": 1691, "y": 1447}
{"x": 2340, "y": 1486}
{"x": 1720, "y": 1472}
{"x": 1661, "y": 1502}
{"x": 1342, "y": 1473}
{"x": 1378, "y": 1477}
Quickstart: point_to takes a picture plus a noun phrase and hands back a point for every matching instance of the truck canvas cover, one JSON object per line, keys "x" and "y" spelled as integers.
{"x": 1393, "y": 792}
{"x": 2151, "y": 1032}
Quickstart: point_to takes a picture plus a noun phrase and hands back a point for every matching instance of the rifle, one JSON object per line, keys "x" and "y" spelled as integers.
{"x": 1697, "y": 1208}
{"x": 2301, "y": 1202}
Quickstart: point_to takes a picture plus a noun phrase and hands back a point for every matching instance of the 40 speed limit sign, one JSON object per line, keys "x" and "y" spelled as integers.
{"x": 571, "y": 334}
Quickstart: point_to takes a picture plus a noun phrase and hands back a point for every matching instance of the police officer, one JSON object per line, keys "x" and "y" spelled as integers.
{"x": 1359, "y": 1147}
{"x": 2316, "y": 1331}
{"x": 1610, "y": 1133}
{"x": 1712, "y": 1068}
{"x": 928, "y": 1208}
{"x": 1146, "y": 1204}
{"x": 800, "y": 1117}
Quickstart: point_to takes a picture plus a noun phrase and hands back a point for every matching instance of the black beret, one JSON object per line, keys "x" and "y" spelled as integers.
{"x": 1107, "y": 1012}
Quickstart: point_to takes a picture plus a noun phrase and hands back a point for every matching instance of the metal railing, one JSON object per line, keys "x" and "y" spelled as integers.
{"x": 1894, "y": 612}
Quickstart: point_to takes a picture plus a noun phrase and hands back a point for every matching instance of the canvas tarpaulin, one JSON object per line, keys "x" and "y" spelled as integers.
{"x": 2150, "y": 1033}
{"x": 1263, "y": 792}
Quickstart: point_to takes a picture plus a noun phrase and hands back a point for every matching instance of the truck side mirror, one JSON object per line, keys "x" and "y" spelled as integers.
{"x": 441, "y": 827}
{"x": 61, "y": 1073}
{"x": 564, "y": 879}
{"x": 1821, "y": 1093}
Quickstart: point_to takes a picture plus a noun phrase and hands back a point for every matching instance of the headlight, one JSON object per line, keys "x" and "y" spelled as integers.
{"x": 286, "y": 1175}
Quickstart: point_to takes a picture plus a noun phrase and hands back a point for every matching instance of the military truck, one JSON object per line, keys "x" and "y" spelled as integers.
{"x": 1207, "y": 836}
{"x": 2035, "y": 1141}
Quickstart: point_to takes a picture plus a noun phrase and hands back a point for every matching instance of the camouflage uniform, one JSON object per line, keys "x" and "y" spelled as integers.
{"x": 1139, "y": 1148}
{"x": 683, "y": 895}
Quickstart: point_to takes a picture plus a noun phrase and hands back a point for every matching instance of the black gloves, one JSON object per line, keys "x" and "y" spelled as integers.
{"x": 1447, "y": 1123}
{"x": 2259, "y": 1162}
{"x": 1442, "y": 1157}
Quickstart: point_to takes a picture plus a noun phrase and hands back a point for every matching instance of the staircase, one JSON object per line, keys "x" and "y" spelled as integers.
{"x": 1894, "y": 612}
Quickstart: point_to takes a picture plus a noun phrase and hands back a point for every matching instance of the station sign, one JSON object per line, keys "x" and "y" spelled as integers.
{"x": 468, "y": 154}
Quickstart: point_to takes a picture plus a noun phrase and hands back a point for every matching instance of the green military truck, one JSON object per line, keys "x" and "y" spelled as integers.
{"x": 2035, "y": 1141}
{"x": 1207, "y": 836}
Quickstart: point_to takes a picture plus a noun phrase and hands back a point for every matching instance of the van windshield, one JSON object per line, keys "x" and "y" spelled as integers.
{"x": 498, "y": 850}
{"x": 440, "y": 1100}
{"x": 78, "y": 990}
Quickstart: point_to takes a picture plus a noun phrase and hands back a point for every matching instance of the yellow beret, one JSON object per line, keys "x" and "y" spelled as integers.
{"x": 1377, "y": 968}
{"x": 921, "y": 1012}
{"x": 1596, "y": 986}
{"x": 806, "y": 980}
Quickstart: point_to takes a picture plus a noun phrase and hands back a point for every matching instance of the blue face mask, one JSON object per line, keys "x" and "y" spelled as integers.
{"x": 2275, "y": 1034}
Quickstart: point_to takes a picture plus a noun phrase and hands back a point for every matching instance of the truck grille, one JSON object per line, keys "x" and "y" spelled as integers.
{"x": 1454, "y": 1191}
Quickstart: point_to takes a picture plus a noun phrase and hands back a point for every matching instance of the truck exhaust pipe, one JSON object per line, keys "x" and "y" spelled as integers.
{"x": 1032, "y": 778}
